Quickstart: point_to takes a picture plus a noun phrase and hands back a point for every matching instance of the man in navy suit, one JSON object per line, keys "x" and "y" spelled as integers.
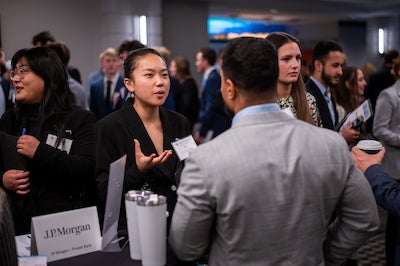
{"x": 387, "y": 195}
{"x": 107, "y": 94}
{"x": 6, "y": 89}
{"x": 209, "y": 119}
{"x": 5, "y": 95}
{"x": 326, "y": 69}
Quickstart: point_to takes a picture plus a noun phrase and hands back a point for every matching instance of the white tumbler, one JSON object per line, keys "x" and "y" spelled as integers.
{"x": 152, "y": 220}
{"x": 132, "y": 221}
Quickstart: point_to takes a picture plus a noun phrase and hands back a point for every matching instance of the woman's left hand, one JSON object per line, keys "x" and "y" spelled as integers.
{"x": 146, "y": 163}
{"x": 27, "y": 145}
{"x": 350, "y": 134}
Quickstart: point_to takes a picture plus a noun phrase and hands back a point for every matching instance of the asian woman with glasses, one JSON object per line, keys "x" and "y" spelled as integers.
{"x": 55, "y": 137}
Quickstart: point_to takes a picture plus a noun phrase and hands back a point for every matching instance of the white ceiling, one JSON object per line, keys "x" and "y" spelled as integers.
{"x": 303, "y": 11}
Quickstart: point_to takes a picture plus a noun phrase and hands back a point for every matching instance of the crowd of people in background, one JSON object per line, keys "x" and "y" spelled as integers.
{"x": 256, "y": 97}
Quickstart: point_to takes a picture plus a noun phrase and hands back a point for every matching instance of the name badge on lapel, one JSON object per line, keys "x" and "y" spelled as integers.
{"x": 64, "y": 145}
{"x": 184, "y": 146}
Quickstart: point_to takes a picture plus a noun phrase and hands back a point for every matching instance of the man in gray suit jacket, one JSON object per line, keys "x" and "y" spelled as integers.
{"x": 386, "y": 129}
{"x": 264, "y": 192}
{"x": 386, "y": 123}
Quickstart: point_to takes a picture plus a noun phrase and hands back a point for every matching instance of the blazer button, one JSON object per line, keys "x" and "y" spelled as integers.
{"x": 173, "y": 188}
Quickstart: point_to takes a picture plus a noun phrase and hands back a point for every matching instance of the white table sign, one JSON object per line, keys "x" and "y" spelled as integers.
{"x": 111, "y": 242}
{"x": 66, "y": 234}
{"x": 32, "y": 261}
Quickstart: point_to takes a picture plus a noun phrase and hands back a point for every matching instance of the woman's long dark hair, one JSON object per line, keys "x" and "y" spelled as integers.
{"x": 57, "y": 98}
{"x": 299, "y": 92}
{"x": 182, "y": 68}
{"x": 346, "y": 91}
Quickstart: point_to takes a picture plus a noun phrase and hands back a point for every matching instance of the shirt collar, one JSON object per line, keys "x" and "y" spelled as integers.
{"x": 255, "y": 109}
{"x": 321, "y": 87}
{"x": 113, "y": 79}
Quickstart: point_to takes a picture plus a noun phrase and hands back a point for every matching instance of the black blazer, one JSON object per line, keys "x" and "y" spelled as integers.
{"x": 58, "y": 181}
{"x": 114, "y": 138}
{"x": 322, "y": 105}
{"x": 190, "y": 101}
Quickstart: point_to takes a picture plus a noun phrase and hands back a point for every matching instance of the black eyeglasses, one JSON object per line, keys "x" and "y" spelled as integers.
{"x": 22, "y": 71}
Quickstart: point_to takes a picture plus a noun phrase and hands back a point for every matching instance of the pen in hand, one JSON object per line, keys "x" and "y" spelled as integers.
{"x": 23, "y": 131}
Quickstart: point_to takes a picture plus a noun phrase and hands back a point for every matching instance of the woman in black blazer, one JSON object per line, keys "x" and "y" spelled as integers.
{"x": 143, "y": 130}
{"x": 56, "y": 138}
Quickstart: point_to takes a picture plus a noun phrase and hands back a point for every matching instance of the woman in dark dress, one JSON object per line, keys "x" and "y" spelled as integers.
{"x": 189, "y": 107}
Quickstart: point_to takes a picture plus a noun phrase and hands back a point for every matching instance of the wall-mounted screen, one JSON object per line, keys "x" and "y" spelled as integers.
{"x": 229, "y": 28}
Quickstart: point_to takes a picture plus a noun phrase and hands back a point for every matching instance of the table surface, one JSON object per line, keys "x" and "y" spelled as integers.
{"x": 122, "y": 258}
{"x": 99, "y": 258}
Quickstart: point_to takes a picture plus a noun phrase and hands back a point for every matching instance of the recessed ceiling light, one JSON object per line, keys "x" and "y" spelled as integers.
{"x": 273, "y": 11}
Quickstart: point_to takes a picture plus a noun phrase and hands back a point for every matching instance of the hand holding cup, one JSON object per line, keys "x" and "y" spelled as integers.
{"x": 365, "y": 155}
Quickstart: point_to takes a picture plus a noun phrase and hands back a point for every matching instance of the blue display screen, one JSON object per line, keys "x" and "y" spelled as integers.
{"x": 221, "y": 26}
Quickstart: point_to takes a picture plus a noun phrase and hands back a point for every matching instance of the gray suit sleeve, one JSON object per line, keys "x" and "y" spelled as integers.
{"x": 383, "y": 121}
{"x": 357, "y": 219}
{"x": 193, "y": 215}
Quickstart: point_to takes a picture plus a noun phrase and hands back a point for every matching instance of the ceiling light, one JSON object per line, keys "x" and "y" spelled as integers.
{"x": 381, "y": 41}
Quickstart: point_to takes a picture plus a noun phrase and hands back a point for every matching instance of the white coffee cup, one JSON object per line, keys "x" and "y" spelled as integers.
{"x": 132, "y": 221}
{"x": 152, "y": 220}
{"x": 370, "y": 146}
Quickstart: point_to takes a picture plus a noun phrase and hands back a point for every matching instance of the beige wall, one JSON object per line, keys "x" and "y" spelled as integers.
{"x": 87, "y": 26}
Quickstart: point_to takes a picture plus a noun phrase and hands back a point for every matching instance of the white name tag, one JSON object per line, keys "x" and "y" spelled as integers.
{"x": 184, "y": 146}
{"x": 64, "y": 145}
{"x": 66, "y": 234}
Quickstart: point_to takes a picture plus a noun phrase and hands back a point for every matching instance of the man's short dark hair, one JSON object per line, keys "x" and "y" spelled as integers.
{"x": 390, "y": 56}
{"x": 209, "y": 54}
{"x": 321, "y": 51}
{"x": 252, "y": 64}
{"x": 129, "y": 45}
{"x": 62, "y": 50}
{"x": 43, "y": 38}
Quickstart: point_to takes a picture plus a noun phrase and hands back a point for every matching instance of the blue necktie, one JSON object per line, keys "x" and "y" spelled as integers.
{"x": 330, "y": 105}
